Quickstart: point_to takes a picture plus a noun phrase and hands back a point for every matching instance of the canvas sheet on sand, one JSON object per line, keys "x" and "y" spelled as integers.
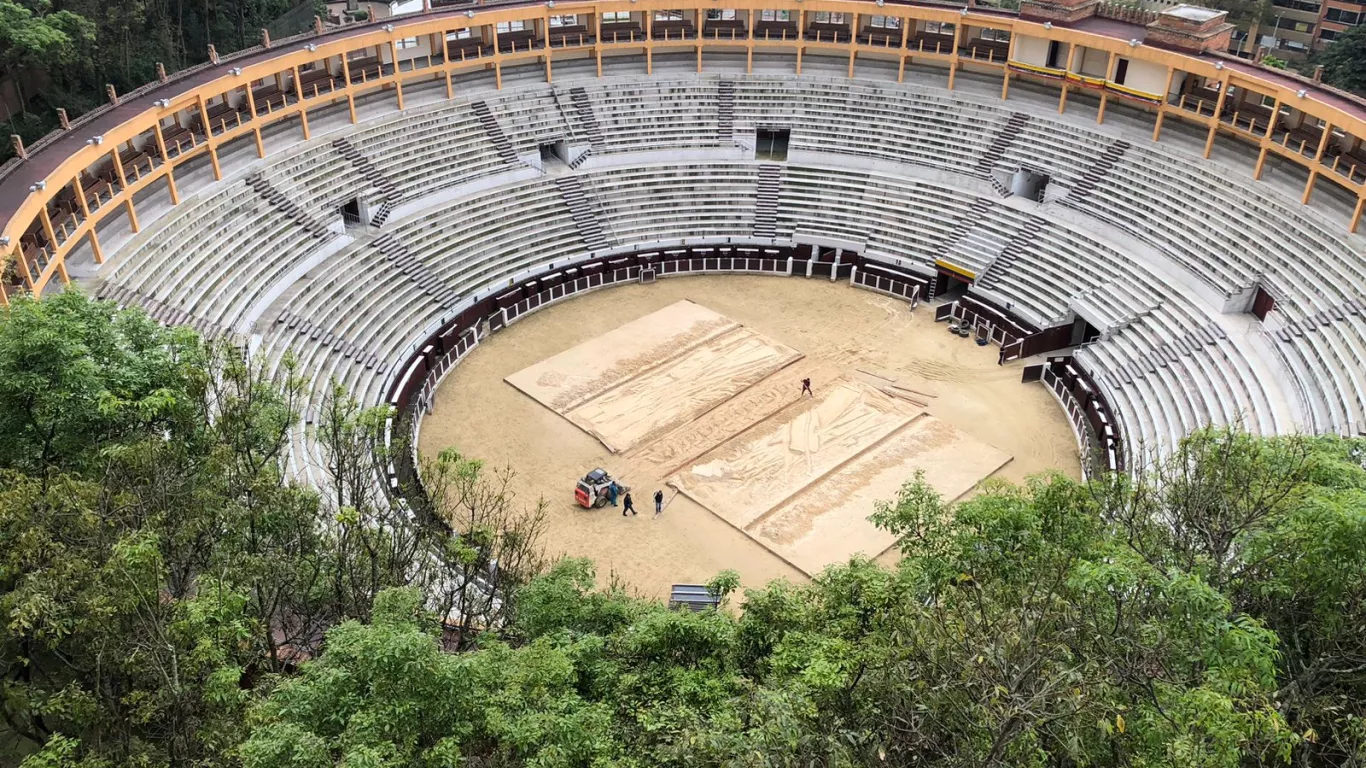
{"x": 653, "y": 374}
{"x": 803, "y": 480}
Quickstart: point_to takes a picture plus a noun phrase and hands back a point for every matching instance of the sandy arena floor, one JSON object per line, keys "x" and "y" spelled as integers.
{"x": 894, "y": 391}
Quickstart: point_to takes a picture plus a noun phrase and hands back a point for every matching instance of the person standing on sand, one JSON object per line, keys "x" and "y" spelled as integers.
{"x": 627, "y": 506}
{"x": 612, "y": 493}
{"x": 806, "y": 388}
{"x": 659, "y": 502}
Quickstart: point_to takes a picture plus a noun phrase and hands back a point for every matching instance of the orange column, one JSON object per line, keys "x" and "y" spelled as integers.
{"x": 1163, "y": 107}
{"x": 1218, "y": 109}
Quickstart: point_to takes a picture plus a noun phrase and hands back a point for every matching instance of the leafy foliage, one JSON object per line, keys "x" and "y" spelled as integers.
{"x": 1344, "y": 62}
{"x": 171, "y": 596}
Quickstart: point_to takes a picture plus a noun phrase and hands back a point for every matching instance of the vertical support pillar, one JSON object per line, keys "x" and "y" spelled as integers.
{"x": 1218, "y": 110}
{"x": 23, "y": 267}
{"x": 1271, "y": 124}
{"x": 118, "y": 170}
{"x": 1010, "y": 56}
{"x": 446, "y": 61}
{"x": 95, "y": 249}
{"x": 699, "y": 21}
{"x": 1356, "y": 214}
{"x": 649, "y": 47}
{"x": 1309, "y": 186}
{"x": 545, "y": 30}
{"x": 350, "y": 90}
{"x": 80, "y": 196}
{"x": 953, "y": 55}
{"x": 132, "y": 215}
{"x": 801, "y": 33}
{"x": 255, "y": 125}
{"x": 1164, "y": 106}
{"x": 749, "y": 46}
{"x": 303, "y": 113}
{"x": 398, "y": 78}
{"x": 47, "y": 227}
{"x": 1067, "y": 70}
{"x": 1105, "y": 94}
{"x": 901, "y": 54}
{"x": 166, "y": 162}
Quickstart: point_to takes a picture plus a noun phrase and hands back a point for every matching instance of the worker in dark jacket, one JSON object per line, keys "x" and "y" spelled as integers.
{"x": 627, "y": 505}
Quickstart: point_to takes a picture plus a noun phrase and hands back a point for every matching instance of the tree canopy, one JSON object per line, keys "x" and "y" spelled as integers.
{"x": 172, "y": 596}
{"x": 1344, "y": 61}
{"x": 61, "y": 53}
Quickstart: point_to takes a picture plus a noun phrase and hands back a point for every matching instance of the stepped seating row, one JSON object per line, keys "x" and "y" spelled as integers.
{"x": 983, "y": 236}
{"x": 646, "y": 203}
{"x": 1251, "y": 235}
{"x": 318, "y": 179}
{"x": 1057, "y": 265}
{"x": 898, "y": 218}
{"x": 431, "y": 150}
{"x": 1327, "y": 353}
{"x": 1166, "y": 374}
{"x": 372, "y": 313}
{"x": 217, "y": 255}
{"x": 869, "y": 120}
{"x": 642, "y": 117}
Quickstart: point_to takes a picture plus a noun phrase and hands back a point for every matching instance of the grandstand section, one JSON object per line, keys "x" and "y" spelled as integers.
{"x": 375, "y": 202}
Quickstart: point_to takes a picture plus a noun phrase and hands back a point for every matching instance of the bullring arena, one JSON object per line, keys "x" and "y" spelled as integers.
{"x": 620, "y": 234}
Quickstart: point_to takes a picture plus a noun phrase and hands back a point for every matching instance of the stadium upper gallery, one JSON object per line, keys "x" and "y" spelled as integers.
{"x": 877, "y": 271}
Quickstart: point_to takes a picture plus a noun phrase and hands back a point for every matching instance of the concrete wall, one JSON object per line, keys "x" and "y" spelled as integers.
{"x": 1093, "y": 62}
{"x": 1031, "y": 50}
{"x": 1145, "y": 76}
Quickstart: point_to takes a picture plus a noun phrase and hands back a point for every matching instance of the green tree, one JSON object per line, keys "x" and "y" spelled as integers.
{"x": 35, "y": 39}
{"x": 1344, "y": 61}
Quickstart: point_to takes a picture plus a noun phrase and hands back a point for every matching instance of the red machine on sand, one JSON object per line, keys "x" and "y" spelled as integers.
{"x": 594, "y": 490}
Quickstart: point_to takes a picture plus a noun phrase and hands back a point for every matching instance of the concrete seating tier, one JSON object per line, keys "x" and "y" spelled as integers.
{"x": 892, "y": 171}
{"x": 215, "y": 256}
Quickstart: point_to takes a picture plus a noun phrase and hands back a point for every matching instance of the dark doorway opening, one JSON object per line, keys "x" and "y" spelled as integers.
{"x": 555, "y": 150}
{"x": 949, "y": 286}
{"x": 1121, "y": 71}
{"x": 771, "y": 143}
{"x": 1262, "y": 303}
{"x": 350, "y": 211}
{"x": 1029, "y": 184}
{"x": 1082, "y": 332}
{"x": 1054, "y": 49}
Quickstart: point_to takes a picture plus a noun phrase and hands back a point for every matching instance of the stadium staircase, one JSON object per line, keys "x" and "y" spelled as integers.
{"x": 1013, "y": 248}
{"x": 766, "y": 200}
{"x": 1099, "y": 304}
{"x": 1097, "y": 171}
{"x": 1000, "y": 143}
{"x": 1338, "y": 313}
{"x": 1143, "y": 363}
{"x": 583, "y": 211}
{"x": 166, "y": 314}
{"x": 969, "y": 220}
{"x": 290, "y": 208}
{"x": 349, "y": 349}
{"x": 395, "y": 251}
{"x": 588, "y": 121}
{"x": 383, "y": 183}
{"x": 725, "y": 109}
{"x": 495, "y": 132}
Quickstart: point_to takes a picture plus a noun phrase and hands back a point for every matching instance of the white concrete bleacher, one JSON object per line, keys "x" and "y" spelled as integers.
{"x": 354, "y": 316}
{"x": 215, "y": 256}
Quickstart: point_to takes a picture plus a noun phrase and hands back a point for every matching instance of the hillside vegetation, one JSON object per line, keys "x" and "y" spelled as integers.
{"x": 170, "y": 598}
